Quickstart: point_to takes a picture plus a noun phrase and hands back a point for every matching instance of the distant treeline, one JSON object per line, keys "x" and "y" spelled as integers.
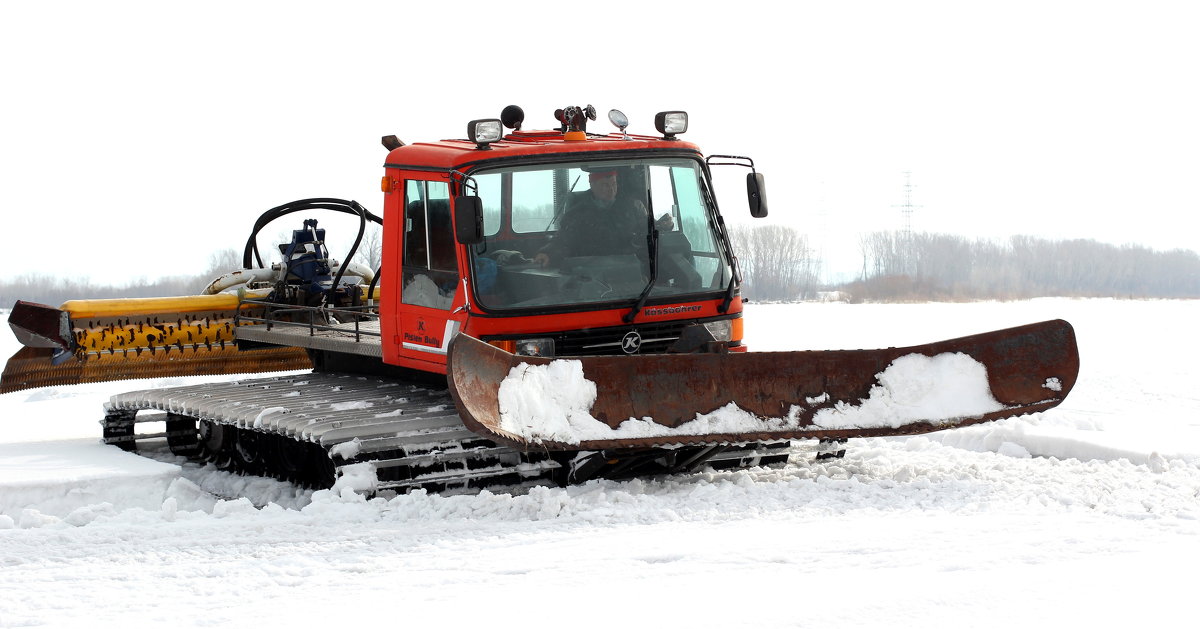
{"x": 922, "y": 266}
{"x": 776, "y": 262}
{"x": 50, "y": 290}
{"x": 53, "y": 291}
{"x": 778, "y": 265}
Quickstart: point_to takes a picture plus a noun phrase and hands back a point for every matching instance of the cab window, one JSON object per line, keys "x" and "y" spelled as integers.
{"x": 430, "y": 260}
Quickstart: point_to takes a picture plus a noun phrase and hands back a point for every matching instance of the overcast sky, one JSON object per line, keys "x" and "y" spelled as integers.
{"x": 139, "y": 137}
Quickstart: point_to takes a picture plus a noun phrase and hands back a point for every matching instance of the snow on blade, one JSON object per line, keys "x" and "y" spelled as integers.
{"x": 917, "y": 388}
{"x": 552, "y": 402}
{"x": 548, "y": 402}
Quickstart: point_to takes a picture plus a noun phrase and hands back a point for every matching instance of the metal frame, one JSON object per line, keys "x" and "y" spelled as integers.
{"x": 355, "y": 313}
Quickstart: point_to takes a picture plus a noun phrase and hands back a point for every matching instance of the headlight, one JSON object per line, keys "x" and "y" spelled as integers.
{"x": 535, "y": 347}
{"x": 484, "y": 132}
{"x": 671, "y": 123}
{"x": 721, "y": 330}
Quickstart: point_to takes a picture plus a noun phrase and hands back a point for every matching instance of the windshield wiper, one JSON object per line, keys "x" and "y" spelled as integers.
{"x": 652, "y": 244}
{"x": 735, "y": 271}
{"x": 735, "y": 280}
{"x": 724, "y": 307}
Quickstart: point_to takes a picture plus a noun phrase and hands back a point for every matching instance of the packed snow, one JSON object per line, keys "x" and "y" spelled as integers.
{"x": 553, "y": 402}
{"x": 916, "y": 387}
{"x": 549, "y": 402}
{"x": 1085, "y": 515}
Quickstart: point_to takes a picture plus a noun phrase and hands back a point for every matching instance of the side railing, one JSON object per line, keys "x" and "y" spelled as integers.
{"x": 347, "y": 320}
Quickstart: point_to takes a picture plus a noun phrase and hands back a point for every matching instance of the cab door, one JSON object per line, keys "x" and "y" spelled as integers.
{"x": 430, "y": 290}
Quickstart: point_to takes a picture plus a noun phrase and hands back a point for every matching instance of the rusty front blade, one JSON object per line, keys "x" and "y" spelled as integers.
{"x": 109, "y": 340}
{"x": 1029, "y": 368}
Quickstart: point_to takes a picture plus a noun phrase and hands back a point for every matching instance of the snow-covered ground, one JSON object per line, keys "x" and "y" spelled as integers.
{"x": 1087, "y": 515}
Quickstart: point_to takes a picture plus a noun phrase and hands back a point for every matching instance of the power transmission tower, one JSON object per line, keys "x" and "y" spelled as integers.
{"x": 906, "y": 208}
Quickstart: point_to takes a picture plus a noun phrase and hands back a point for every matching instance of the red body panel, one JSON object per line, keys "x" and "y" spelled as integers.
{"x": 483, "y": 326}
{"x": 417, "y": 337}
{"x": 422, "y": 329}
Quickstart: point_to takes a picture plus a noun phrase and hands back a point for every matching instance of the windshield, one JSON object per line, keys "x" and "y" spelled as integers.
{"x": 575, "y": 233}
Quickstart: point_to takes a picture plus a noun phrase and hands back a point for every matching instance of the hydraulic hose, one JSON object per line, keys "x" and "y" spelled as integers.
{"x": 362, "y": 228}
{"x": 250, "y": 254}
{"x": 374, "y": 282}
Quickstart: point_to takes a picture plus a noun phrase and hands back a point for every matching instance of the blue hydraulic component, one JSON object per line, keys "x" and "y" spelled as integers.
{"x": 307, "y": 260}
{"x": 307, "y": 274}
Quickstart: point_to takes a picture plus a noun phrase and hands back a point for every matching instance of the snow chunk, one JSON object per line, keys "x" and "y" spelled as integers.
{"x": 32, "y": 519}
{"x": 350, "y": 406}
{"x": 170, "y": 508}
{"x": 267, "y": 412}
{"x": 359, "y": 477}
{"x": 917, "y": 387}
{"x": 84, "y": 515}
{"x": 225, "y": 508}
{"x": 1054, "y": 384}
{"x": 820, "y": 399}
{"x": 185, "y": 495}
{"x": 1015, "y": 450}
{"x": 548, "y": 402}
{"x": 348, "y": 449}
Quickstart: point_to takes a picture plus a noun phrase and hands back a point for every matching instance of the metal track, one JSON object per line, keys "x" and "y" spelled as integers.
{"x": 410, "y": 435}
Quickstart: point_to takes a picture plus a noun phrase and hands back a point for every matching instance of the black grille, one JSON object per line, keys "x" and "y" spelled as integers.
{"x": 656, "y": 339}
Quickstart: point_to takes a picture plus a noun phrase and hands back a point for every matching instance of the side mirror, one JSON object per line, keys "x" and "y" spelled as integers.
{"x": 756, "y": 193}
{"x": 468, "y": 220}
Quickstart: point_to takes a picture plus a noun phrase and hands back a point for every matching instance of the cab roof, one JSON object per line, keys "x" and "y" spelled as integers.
{"x": 457, "y": 154}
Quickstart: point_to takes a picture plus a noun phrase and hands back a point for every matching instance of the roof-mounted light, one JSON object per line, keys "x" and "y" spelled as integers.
{"x": 484, "y": 132}
{"x": 620, "y": 121}
{"x": 671, "y": 123}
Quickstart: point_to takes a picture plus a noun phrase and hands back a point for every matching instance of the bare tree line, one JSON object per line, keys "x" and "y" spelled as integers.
{"x": 900, "y": 265}
{"x": 47, "y": 289}
{"x": 777, "y": 263}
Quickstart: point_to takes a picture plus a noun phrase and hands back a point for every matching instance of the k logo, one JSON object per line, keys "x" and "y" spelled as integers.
{"x": 631, "y": 342}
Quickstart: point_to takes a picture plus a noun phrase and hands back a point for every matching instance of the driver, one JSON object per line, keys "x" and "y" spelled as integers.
{"x": 599, "y": 223}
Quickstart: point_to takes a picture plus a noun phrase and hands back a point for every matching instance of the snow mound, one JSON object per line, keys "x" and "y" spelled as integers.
{"x": 54, "y": 479}
{"x": 548, "y": 402}
{"x": 917, "y": 387}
